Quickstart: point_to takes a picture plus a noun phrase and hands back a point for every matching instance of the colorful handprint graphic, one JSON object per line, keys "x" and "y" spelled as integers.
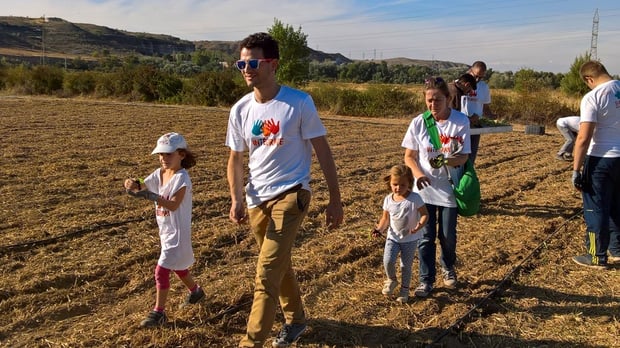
{"x": 270, "y": 127}
{"x": 265, "y": 128}
{"x": 257, "y": 128}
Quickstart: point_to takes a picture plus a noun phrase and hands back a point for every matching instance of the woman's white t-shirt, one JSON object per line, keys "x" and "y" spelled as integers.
{"x": 174, "y": 226}
{"x": 417, "y": 138}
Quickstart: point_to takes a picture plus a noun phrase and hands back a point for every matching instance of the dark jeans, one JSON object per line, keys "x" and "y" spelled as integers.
{"x": 475, "y": 143}
{"x": 440, "y": 219}
{"x": 601, "y": 207}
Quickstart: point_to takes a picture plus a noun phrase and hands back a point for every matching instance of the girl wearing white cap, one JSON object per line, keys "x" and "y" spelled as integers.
{"x": 170, "y": 188}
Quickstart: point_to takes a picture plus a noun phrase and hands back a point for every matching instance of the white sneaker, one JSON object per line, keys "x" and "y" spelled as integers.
{"x": 449, "y": 278}
{"x": 388, "y": 287}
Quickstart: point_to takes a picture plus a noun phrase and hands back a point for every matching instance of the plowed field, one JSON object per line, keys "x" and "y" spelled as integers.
{"x": 77, "y": 253}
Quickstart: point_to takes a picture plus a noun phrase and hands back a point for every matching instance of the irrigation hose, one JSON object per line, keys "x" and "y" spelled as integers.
{"x": 27, "y": 245}
{"x": 499, "y": 285}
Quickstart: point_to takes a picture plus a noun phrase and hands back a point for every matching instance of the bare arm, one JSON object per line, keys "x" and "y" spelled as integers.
{"x": 384, "y": 222}
{"x": 584, "y": 137}
{"x": 423, "y": 211}
{"x": 411, "y": 160}
{"x": 234, "y": 172}
{"x": 333, "y": 213}
{"x": 172, "y": 204}
{"x": 457, "y": 160}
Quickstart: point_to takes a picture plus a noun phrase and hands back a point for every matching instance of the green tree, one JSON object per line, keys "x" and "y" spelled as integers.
{"x": 572, "y": 84}
{"x": 294, "y": 65}
{"x": 503, "y": 80}
{"x": 526, "y": 81}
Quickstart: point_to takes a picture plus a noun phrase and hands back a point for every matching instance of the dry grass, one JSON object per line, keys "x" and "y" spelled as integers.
{"x": 78, "y": 254}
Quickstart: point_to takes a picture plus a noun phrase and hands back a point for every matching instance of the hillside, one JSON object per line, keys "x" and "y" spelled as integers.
{"x": 439, "y": 64}
{"x": 55, "y": 35}
{"x": 29, "y": 38}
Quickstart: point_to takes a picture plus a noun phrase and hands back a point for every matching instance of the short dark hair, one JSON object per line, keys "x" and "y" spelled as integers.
{"x": 468, "y": 78}
{"x": 479, "y": 64}
{"x": 592, "y": 68}
{"x": 264, "y": 41}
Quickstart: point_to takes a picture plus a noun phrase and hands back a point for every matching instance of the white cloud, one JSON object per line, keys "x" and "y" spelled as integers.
{"x": 547, "y": 41}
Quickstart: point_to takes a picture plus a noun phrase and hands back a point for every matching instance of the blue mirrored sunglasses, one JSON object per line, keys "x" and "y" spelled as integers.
{"x": 252, "y": 63}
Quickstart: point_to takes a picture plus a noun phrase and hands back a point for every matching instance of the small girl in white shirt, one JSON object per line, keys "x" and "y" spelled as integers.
{"x": 170, "y": 188}
{"x": 404, "y": 214}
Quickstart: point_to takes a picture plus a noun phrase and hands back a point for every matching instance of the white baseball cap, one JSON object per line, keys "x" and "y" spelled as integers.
{"x": 169, "y": 143}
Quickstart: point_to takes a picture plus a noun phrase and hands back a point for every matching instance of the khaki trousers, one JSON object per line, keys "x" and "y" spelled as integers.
{"x": 275, "y": 224}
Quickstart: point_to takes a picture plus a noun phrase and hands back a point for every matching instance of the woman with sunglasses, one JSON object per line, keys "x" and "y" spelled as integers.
{"x": 279, "y": 126}
{"x": 434, "y": 163}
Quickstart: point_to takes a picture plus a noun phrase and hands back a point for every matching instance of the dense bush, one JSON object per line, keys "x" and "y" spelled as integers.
{"x": 122, "y": 82}
{"x": 104, "y": 86}
{"x": 533, "y": 99}
{"x": 3, "y": 76}
{"x": 213, "y": 89}
{"x": 375, "y": 100}
{"x": 45, "y": 79}
{"x": 543, "y": 106}
{"x": 82, "y": 83}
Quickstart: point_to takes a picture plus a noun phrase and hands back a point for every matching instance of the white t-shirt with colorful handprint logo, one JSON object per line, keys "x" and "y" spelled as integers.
{"x": 277, "y": 135}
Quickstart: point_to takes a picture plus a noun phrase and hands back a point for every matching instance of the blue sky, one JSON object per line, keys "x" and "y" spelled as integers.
{"x": 542, "y": 35}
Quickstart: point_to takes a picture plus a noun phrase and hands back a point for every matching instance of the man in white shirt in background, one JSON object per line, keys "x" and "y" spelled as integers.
{"x": 476, "y": 104}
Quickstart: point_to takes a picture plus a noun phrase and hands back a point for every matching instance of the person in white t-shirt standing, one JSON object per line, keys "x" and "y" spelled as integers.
{"x": 170, "y": 188}
{"x": 433, "y": 167}
{"x": 404, "y": 214}
{"x": 596, "y": 166}
{"x": 476, "y": 104}
{"x": 279, "y": 126}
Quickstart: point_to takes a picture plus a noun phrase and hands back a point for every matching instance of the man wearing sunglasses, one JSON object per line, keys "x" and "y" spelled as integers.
{"x": 279, "y": 126}
{"x": 476, "y": 103}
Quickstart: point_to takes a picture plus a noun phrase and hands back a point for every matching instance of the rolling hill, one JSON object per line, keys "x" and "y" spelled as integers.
{"x": 24, "y": 38}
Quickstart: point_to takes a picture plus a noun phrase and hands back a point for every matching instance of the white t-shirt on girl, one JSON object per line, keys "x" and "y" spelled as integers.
{"x": 174, "y": 226}
{"x": 404, "y": 217}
